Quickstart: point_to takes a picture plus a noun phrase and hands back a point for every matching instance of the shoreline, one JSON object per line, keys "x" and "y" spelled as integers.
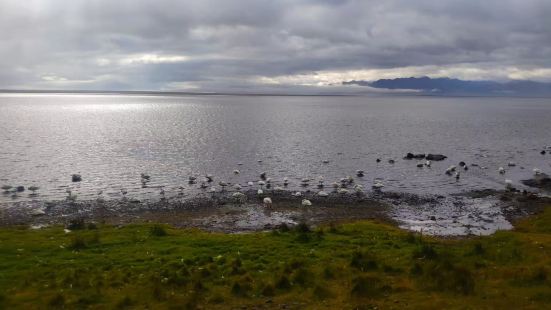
{"x": 471, "y": 213}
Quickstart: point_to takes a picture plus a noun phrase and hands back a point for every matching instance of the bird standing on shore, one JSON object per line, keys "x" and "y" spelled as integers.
{"x": 378, "y": 186}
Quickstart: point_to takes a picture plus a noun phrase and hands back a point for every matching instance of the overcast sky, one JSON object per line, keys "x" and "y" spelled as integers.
{"x": 255, "y": 45}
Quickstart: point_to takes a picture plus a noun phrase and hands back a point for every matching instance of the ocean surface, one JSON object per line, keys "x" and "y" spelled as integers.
{"x": 111, "y": 139}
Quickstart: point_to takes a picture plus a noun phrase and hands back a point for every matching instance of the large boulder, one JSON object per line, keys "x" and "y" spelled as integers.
{"x": 436, "y": 157}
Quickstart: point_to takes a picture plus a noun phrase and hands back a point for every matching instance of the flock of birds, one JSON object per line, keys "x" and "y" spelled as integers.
{"x": 342, "y": 186}
{"x": 266, "y": 183}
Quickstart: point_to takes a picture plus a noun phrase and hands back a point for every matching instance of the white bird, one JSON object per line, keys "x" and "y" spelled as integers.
{"x": 297, "y": 194}
{"x": 237, "y": 187}
{"x": 358, "y": 188}
{"x": 250, "y": 183}
{"x": 212, "y": 190}
{"x": 285, "y": 181}
{"x": 501, "y": 170}
{"x": 323, "y": 194}
{"x": 320, "y": 182}
{"x": 278, "y": 189}
{"x": 306, "y": 202}
{"x": 269, "y": 180}
{"x": 509, "y": 184}
{"x": 335, "y": 185}
{"x": 239, "y": 196}
{"x": 261, "y": 183}
{"x": 236, "y": 171}
{"x": 457, "y": 175}
{"x": 536, "y": 171}
{"x": 427, "y": 163}
{"x": 260, "y": 192}
{"x": 342, "y": 191}
{"x": 450, "y": 169}
{"x": 267, "y": 201}
{"x": 378, "y": 186}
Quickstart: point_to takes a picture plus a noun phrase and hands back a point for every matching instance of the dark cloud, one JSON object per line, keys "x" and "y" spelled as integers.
{"x": 233, "y": 44}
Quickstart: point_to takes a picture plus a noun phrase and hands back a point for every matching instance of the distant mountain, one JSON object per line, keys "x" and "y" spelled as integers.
{"x": 460, "y": 87}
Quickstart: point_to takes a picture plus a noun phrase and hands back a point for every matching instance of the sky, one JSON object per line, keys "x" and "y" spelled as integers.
{"x": 267, "y": 45}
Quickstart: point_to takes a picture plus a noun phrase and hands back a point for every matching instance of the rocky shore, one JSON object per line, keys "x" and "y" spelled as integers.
{"x": 470, "y": 213}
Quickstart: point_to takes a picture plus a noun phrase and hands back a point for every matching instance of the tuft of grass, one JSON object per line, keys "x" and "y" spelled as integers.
{"x": 82, "y": 241}
{"x": 77, "y": 243}
{"x": 157, "y": 231}
{"x": 57, "y": 301}
{"x": 366, "y": 287}
{"x": 322, "y": 292}
{"x": 241, "y": 287}
{"x": 76, "y": 224}
{"x": 442, "y": 275}
{"x": 268, "y": 290}
{"x": 425, "y": 251}
{"x": 283, "y": 283}
{"x": 363, "y": 261}
{"x": 302, "y": 227}
{"x": 478, "y": 249}
{"x": 124, "y": 303}
{"x": 303, "y": 277}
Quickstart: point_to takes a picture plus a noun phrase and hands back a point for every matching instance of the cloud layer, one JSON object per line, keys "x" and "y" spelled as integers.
{"x": 266, "y": 45}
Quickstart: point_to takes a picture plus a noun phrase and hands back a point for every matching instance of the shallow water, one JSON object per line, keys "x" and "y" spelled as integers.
{"x": 111, "y": 139}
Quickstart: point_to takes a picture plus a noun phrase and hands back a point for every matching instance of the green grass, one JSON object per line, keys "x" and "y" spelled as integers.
{"x": 358, "y": 265}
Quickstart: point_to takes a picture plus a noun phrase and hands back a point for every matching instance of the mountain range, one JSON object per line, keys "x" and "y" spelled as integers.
{"x": 449, "y": 86}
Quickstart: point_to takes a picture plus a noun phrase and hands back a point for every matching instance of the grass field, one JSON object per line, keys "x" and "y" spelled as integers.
{"x": 365, "y": 265}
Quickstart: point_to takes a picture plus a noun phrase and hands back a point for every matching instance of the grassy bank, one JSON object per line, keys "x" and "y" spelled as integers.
{"x": 359, "y": 265}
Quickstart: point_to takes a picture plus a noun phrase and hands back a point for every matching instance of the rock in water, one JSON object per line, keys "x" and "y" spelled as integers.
{"x": 416, "y": 156}
{"x": 541, "y": 180}
{"x": 436, "y": 157}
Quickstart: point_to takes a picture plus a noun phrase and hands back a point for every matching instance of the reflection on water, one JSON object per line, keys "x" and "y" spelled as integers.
{"x": 111, "y": 139}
